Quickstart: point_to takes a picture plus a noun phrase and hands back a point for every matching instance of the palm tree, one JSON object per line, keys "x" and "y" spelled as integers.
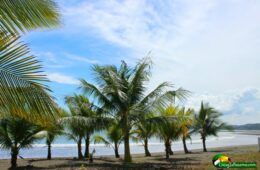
{"x": 168, "y": 130}
{"x": 114, "y": 138}
{"x": 207, "y": 123}
{"x": 15, "y": 134}
{"x": 51, "y": 133}
{"x": 75, "y": 131}
{"x": 21, "y": 78}
{"x": 122, "y": 91}
{"x": 186, "y": 121}
{"x": 85, "y": 118}
{"x": 145, "y": 129}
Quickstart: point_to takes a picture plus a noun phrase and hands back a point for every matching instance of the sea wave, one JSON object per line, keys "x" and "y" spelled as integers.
{"x": 73, "y": 145}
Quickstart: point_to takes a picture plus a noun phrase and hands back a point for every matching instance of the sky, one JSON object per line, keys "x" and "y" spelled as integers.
{"x": 210, "y": 47}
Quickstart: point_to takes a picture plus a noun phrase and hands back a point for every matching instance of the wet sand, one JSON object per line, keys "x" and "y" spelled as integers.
{"x": 196, "y": 160}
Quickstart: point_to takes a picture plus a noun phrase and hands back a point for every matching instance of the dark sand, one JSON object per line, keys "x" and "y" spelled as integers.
{"x": 196, "y": 160}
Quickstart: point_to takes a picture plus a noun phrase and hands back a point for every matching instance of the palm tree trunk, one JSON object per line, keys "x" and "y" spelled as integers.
{"x": 14, "y": 153}
{"x": 170, "y": 149}
{"x": 49, "y": 151}
{"x": 204, "y": 144}
{"x": 127, "y": 156}
{"x": 116, "y": 150}
{"x": 167, "y": 148}
{"x": 87, "y": 143}
{"x": 147, "y": 153}
{"x": 80, "y": 156}
{"x": 184, "y": 145}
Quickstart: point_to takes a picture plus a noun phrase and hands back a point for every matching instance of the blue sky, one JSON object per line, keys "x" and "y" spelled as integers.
{"x": 210, "y": 47}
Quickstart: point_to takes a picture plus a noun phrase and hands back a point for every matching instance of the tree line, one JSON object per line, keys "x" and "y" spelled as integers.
{"x": 123, "y": 109}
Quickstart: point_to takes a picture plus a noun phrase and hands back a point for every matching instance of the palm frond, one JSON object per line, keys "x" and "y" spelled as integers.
{"x": 22, "y": 79}
{"x": 100, "y": 139}
{"x": 24, "y": 15}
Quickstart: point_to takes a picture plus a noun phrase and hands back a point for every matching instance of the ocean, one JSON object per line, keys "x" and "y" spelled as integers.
{"x": 63, "y": 147}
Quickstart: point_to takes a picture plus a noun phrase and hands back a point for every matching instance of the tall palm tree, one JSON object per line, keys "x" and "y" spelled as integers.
{"x": 169, "y": 130}
{"x": 207, "y": 122}
{"x": 122, "y": 91}
{"x": 15, "y": 134}
{"x": 20, "y": 72}
{"x": 186, "y": 121}
{"x": 114, "y": 138}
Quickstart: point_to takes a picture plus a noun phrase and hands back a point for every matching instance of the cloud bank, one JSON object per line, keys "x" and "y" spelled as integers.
{"x": 210, "y": 47}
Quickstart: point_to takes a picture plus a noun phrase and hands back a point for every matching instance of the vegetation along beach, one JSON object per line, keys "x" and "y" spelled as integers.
{"x": 112, "y": 85}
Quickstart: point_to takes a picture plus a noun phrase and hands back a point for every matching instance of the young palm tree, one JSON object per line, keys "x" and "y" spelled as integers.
{"x": 145, "y": 129}
{"x": 20, "y": 72}
{"x": 75, "y": 131}
{"x": 85, "y": 118}
{"x": 51, "y": 134}
{"x": 122, "y": 91}
{"x": 15, "y": 134}
{"x": 114, "y": 138}
{"x": 186, "y": 121}
{"x": 207, "y": 123}
{"x": 168, "y": 130}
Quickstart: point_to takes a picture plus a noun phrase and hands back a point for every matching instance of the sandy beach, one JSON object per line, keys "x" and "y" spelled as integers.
{"x": 196, "y": 160}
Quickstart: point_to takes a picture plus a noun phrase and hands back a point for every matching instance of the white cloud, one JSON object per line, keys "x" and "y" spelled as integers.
{"x": 81, "y": 59}
{"x": 62, "y": 78}
{"x": 63, "y": 59}
{"x": 205, "y": 45}
{"x": 51, "y": 60}
{"x": 210, "y": 47}
{"x": 238, "y": 107}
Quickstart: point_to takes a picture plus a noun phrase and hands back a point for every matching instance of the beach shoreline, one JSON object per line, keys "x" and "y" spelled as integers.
{"x": 196, "y": 160}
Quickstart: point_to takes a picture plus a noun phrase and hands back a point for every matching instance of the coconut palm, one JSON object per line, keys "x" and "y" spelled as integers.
{"x": 122, "y": 91}
{"x": 114, "y": 138}
{"x": 207, "y": 122}
{"x": 186, "y": 120}
{"x": 75, "y": 131}
{"x": 145, "y": 129}
{"x": 15, "y": 134}
{"x": 169, "y": 130}
{"x": 51, "y": 133}
{"x": 85, "y": 118}
{"x": 20, "y": 72}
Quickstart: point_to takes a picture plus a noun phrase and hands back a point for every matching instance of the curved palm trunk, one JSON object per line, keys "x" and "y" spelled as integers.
{"x": 184, "y": 145}
{"x": 14, "y": 154}
{"x": 116, "y": 150}
{"x": 204, "y": 144}
{"x": 127, "y": 156}
{"x": 167, "y": 148}
{"x": 49, "y": 151}
{"x": 146, "y": 150}
{"x": 87, "y": 143}
{"x": 80, "y": 156}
